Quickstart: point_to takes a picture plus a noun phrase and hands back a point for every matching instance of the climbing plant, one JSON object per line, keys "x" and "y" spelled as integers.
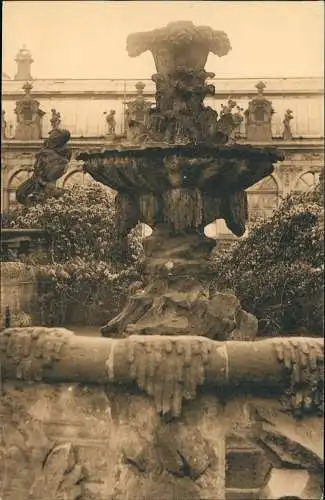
{"x": 277, "y": 271}
{"x": 87, "y": 267}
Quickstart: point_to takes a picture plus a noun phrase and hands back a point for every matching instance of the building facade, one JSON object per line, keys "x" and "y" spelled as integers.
{"x": 296, "y": 124}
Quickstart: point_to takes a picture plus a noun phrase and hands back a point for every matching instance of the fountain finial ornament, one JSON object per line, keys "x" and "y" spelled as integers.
{"x": 180, "y": 51}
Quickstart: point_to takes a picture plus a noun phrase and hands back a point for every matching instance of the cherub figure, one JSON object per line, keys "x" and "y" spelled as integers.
{"x": 55, "y": 119}
{"x": 227, "y": 109}
{"x": 287, "y": 133}
{"x": 111, "y": 121}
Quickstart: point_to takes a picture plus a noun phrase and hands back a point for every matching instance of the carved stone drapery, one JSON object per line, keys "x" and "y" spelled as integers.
{"x": 259, "y": 117}
{"x": 292, "y": 366}
{"x": 29, "y": 117}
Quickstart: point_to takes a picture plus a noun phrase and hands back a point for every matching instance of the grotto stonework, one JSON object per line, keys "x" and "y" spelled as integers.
{"x": 177, "y": 399}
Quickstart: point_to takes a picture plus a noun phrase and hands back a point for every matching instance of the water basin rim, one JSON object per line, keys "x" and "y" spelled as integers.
{"x": 191, "y": 151}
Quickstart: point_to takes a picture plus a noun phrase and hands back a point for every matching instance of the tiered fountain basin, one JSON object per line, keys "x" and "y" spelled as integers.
{"x": 185, "y": 186}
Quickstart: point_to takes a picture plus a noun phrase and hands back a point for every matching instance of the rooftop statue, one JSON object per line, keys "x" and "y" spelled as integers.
{"x": 110, "y": 122}
{"x": 51, "y": 163}
{"x": 55, "y": 119}
{"x": 287, "y": 133}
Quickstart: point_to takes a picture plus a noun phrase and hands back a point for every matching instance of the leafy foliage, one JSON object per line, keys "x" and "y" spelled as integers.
{"x": 87, "y": 269}
{"x": 278, "y": 270}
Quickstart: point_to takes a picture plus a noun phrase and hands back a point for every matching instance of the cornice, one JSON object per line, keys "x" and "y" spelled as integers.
{"x": 307, "y": 144}
{"x": 104, "y": 94}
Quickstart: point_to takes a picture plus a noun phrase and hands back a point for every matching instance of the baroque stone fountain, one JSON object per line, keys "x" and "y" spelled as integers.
{"x": 176, "y": 400}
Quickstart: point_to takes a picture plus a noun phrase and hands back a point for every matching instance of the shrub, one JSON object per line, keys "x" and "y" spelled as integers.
{"x": 87, "y": 269}
{"x": 277, "y": 271}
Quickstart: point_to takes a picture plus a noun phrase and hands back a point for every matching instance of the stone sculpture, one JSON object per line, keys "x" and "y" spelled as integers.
{"x": 51, "y": 163}
{"x": 29, "y": 116}
{"x": 137, "y": 115}
{"x": 259, "y": 117}
{"x": 3, "y": 124}
{"x": 238, "y": 118}
{"x": 287, "y": 133}
{"x": 181, "y": 80}
{"x": 55, "y": 119}
{"x": 178, "y": 189}
{"x": 110, "y": 122}
{"x": 24, "y": 61}
{"x": 228, "y": 108}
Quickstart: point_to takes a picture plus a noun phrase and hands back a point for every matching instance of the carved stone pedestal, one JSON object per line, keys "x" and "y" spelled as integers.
{"x": 175, "y": 298}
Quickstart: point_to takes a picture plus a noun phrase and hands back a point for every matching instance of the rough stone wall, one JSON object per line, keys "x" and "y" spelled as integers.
{"x": 73, "y": 441}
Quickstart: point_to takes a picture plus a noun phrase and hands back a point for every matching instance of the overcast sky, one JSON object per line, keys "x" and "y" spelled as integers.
{"x": 86, "y": 39}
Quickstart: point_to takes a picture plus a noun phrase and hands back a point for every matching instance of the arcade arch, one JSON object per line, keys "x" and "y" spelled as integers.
{"x": 14, "y": 182}
{"x": 307, "y": 181}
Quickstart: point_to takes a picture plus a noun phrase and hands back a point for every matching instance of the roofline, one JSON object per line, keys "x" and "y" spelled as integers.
{"x": 149, "y": 78}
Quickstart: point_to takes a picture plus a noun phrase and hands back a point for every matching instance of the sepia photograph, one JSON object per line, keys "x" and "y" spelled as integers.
{"x": 162, "y": 250}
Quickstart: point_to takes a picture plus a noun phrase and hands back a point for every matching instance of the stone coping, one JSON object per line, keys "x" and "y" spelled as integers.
{"x": 170, "y": 369}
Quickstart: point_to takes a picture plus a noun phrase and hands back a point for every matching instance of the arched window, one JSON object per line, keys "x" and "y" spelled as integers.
{"x": 263, "y": 198}
{"x": 307, "y": 181}
{"x": 14, "y": 182}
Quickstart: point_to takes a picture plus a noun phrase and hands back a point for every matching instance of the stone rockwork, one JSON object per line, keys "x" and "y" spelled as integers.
{"x": 156, "y": 417}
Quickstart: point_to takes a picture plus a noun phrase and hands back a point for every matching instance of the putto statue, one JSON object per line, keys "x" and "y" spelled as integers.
{"x": 227, "y": 109}
{"x": 55, "y": 119}
{"x": 238, "y": 119}
{"x": 51, "y": 163}
{"x": 287, "y": 133}
{"x": 111, "y": 122}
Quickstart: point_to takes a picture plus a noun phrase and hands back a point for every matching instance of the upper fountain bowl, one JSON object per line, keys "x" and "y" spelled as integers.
{"x": 170, "y": 46}
{"x": 215, "y": 170}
